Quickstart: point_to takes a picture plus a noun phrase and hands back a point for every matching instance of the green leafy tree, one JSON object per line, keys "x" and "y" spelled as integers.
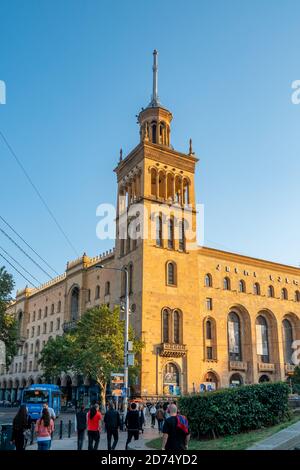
{"x": 94, "y": 348}
{"x": 8, "y": 323}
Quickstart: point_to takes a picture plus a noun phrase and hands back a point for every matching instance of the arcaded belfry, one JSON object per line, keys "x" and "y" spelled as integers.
{"x": 208, "y": 318}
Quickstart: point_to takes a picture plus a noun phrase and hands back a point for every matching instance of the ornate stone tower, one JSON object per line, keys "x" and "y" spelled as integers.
{"x": 156, "y": 200}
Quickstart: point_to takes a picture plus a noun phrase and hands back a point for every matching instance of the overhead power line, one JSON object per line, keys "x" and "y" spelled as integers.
{"x": 24, "y": 252}
{"x": 13, "y": 153}
{"x": 24, "y": 277}
{"x": 29, "y": 246}
{"x": 19, "y": 264}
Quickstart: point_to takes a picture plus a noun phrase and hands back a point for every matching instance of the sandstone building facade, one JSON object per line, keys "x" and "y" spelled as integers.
{"x": 208, "y": 318}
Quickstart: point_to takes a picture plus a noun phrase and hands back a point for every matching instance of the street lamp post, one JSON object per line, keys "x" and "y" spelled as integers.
{"x": 126, "y": 327}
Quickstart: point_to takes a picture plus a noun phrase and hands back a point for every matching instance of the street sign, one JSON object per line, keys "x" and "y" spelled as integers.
{"x": 130, "y": 359}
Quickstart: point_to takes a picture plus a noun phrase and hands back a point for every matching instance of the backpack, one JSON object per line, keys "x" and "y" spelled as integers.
{"x": 182, "y": 423}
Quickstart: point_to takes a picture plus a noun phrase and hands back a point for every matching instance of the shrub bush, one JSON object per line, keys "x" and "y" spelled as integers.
{"x": 235, "y": 410}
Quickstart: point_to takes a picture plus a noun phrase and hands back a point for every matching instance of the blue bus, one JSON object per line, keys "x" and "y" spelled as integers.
{"x": 36, "y": 395}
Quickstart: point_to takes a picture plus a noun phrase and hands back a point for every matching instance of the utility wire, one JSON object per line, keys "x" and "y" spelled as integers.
{"x": 19, "y": 264}
{"x": 18, "y": 271}
{"x": 27, "y": 244}
{"x": 26, "y": 254}
{"x": 38, "y": 193}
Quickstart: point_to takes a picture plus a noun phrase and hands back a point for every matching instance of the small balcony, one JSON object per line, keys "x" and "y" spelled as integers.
{"x": 69, "y": 326}
{"x": 289, "y": 369}
{"x": 172, "y": 350}
{"x": 238, "y": 365}
{"x": 266, "y": 367}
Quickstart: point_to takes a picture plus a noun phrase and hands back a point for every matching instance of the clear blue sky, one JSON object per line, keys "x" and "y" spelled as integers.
{"x": 77, "y": 72}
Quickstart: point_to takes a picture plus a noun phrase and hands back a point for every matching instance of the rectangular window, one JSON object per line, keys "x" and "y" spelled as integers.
{"x": 27, "y": 333}
{"x": 58, "y": 324}
{"x": 209, "y": 353}
{"x": 51, "y": 327}
{"x": 30, "y": 365}
{"x": 32, "y": 332}
{"x": 45, "y": 328}
{"x": 33, "y": 319}
{"x": 31, "y": 348}
{"x": 40, "y": 314}
{"x": 209, "y": 304}
{"x": 38, "y": 330}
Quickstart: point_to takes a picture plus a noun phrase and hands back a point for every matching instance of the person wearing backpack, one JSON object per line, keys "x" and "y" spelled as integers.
{"x": 176, "y": 433}
{"x": 153, "y": 414}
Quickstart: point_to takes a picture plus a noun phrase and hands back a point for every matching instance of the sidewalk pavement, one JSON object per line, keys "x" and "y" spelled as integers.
{"x": 287, "y": 439}
{"x": 71, "y": 443}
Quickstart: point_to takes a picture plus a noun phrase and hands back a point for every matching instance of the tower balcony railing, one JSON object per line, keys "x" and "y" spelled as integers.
{"x": 238, "y": 365}
{"x": 172, "y": 350}
{"x": 266, "y": 367}
{"x": 69, "y": 326}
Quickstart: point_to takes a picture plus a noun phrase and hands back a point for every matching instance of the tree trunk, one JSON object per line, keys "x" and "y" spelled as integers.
{"x": 102, "y": 393}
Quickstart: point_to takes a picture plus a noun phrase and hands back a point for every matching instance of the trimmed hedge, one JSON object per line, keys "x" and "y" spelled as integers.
{"x": 236, "y": 410}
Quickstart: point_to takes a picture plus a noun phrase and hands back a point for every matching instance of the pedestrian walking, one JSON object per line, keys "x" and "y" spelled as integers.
{"x": 160, "y": 418}
{"x": 50, "y": 410}
{"x": 132, "y": 424}
{"x": 94, "y": 427}
{"x": 141, "y": 418}
{"x": 44, "y": 428}
{"x": 80, "y": 426}
{"x": 176, "y": 433}
{"x": 21, "y": 426}
{"x": 153, "y": 415}
{"x": 112, "y": 424}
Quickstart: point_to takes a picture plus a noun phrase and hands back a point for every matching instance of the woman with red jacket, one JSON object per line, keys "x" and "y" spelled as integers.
{"x": 94, "y": 427}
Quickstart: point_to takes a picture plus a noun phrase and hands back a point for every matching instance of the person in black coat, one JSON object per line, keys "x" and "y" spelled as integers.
{"x": 132, "y": 423}
{"x": 21, "y": 423}
{"x": 81, "y": 423}
{"x": 112, "y": 424}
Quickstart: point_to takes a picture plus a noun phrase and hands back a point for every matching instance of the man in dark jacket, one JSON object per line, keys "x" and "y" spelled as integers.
{"x": 112, "y": 423}
{"x": 81, "y": 426}
{"x": 132, "y": 423}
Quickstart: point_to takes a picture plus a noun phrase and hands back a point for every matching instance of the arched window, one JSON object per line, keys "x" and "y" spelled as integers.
{"x": 97, "y": 292}
{"x": 153, "y": 182}
{"x": 88, "y": 295}
{"x": 234, "y": 337}
{"x": 262, "y": 339}
{"x": 170, "y": 189}
{"x": 59, "y": 306}
{"x": 256, "y": 288}
{"x": 208, "y": 330}
{"x": 226, "y": 283}
{"x": 271, "y": 293}
{"x": 171, "y": 379}
{"x": 166, "y": 326}
{"x": 284, "y": 294}
{"x": 158, "y": 227}
{"x": 162, "y": 184}
{"x": 297, "y": 296}
{"x": 176, "y": 329}
{"x": 153, "y": 128}
{"x": 75, "y": 304}
{"x": 208, "y": 280}
{"x": 287, "y": 341}
{"x": 186, "y": 196}
{"x": 236, "y": 380}
{"x": 130, "y": 274}
{"x": 20, "y": 323}
{"x": 107, "y": 288}
{"x": 46, "y": 312}
{"x": 242, "y": 286}
{"x": 178, "y": 189}
{"x": 171, "y": 233}
{"x": 171, "y": 273}
{"x": 182, "y": 235}
{"x": 52, "y": 309}
{"x": 263, "y": 378}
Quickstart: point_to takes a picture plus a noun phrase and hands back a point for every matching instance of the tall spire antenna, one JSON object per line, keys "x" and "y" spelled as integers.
{"x": 154, "y": 98}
